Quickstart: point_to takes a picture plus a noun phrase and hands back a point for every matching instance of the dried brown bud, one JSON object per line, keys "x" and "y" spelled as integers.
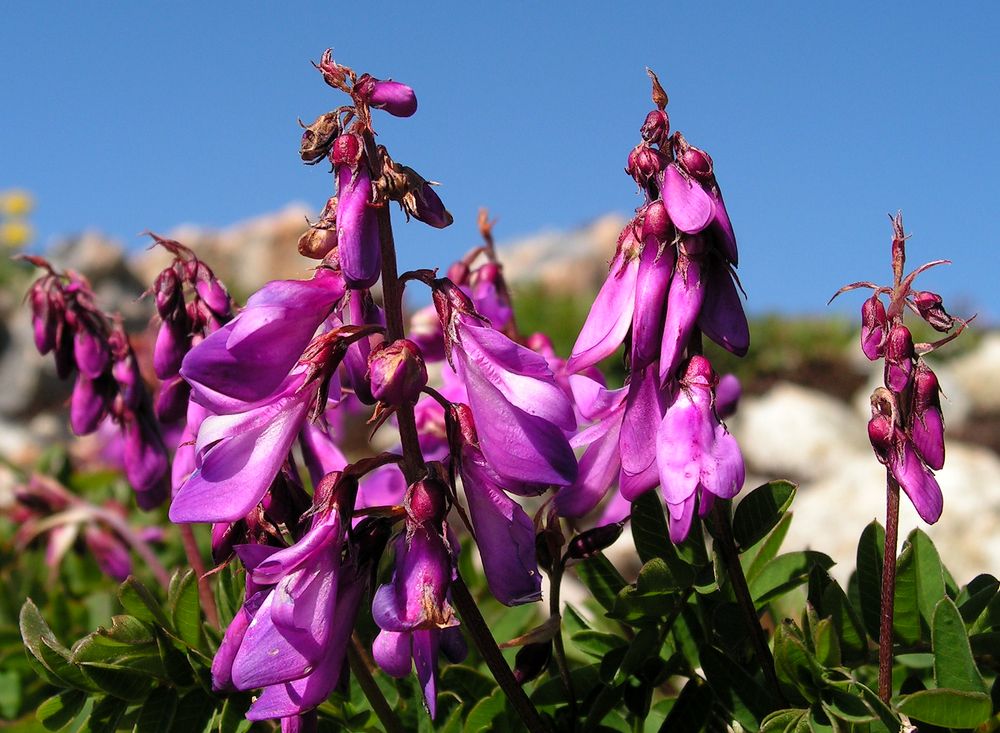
{"x": 317, "y": 137}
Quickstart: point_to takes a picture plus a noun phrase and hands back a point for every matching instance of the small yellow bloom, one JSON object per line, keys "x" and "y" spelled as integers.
{"x": 15, "y": 202}
{"x": 15, "y": 233}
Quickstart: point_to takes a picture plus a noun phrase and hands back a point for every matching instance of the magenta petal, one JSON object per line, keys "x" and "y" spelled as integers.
{"x": 593, "y": 399}
{"x": 643, "y": 412}
{"x": 722, "y": 317}
{"x": 425, "y": 657}
{"x": 146, "y": 463}
{"x": 517, "y": 445}
{"x": 599, "y": 466}
{"x": 687, "y": 292}
{"x": 521, "y": 375}
{"x": 722, "y": 471}
{"x": 267, "y": 657}
{"x": 917, "y": 481}
{"x": 392, "y": 652}
{"x": 683, "y": 440}
{"x": 680, "y": 516}
{"x": 87, "y": 406}
{"x": 722, "y": 229}
{"x": 304, "y": 602}
{"x": 609, "y": 319}
{"x": 651, "y": 289}
{"x": 928, "y": 437}
{"x": 385, "y": 486}
{"x": 172, "y": 343}
{"x": 222, "y": 663}
{"x": 616, "y": 510}
{"x": 689, "y": 206}
{"x": 395, "y": 98}
{"x": 320, "y": 454}
{"x": 90, "y": 352}
{"x": 504, "y": 534}
{"x": 237, "y": 469}
{"x": 357, "y": 228}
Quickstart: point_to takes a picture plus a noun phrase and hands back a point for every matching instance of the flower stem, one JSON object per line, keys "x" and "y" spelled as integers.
{"x": 361, "y": 665}
{"x": 738, "y": 581}
{"x": 135, "y": 541}
{"x": 204, "y": 587}
{"x": 888, "y": 588}
{"x": 555, "y": 611}
{"x": 487, "y": 645}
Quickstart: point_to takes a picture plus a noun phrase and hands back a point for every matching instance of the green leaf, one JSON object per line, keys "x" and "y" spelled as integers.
{"x": 175, "y": 664}
{"x": 691, "y": 712}
{"x": 954, "y": 666}
{"x": 57, "y": 712}
{"x": 929, "y": 574}
{"x": 157, "y": 714}
{"x": 760, "y": 511}
{"x": 826, "y": 643}
{"x": 977, "y": 595}
{"x": 551, "y": 691}
{"x": 947, "y": 708}
{"x": 128, "y": 643}
{"x": 748, "y": 702}
{"x": 846, "y": 704}
{"x": 488, "y": 715}
{"x": 194, "y": 710}
{"x": 783, "y": 720}
{"x": 466, "y": 682}
{"x": 794, "y": 663}
{"x": 138, "y": 601}
{"x": 596, "y": 643}
{"x": 232, "y": 718}
{"x": 784, "y": 573}
{"x": 652, "y": 539}
{"x": 182, "y": 600}
{"x": 754, "y": 559}
{"x": 906, "y": 622}
{"x": 105, "y": 716}
{"x": 869, "y": 562}
{"x": 830, "y": 601}
{"x": 121, "y": 683}
{"x": 655, "y": 577}
{"x": 53, "y": 656}
{"x": 606, "y": 701}
{"x": 602, "y": 579}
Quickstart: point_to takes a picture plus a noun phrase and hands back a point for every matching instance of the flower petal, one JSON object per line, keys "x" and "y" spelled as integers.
{"x": 610, "y": 317}
{"x": 722, "y": 317}
{"x": 689, "y": 206}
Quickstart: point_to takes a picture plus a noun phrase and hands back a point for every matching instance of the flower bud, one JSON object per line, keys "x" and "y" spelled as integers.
{"x": 928, "y": 425}
{"x": 109, "y": 552}
{"x": 44, "y": 318}
{"x": 589, "y": 543}
{"x": 88, "y": 404}
{"x": 395, "y": 98}
{"x": 644, "y": 164}
{"x": 211, "y": 290}
{"x": 426, "y": 501}
{"x": 898, "y": 358}
{"x": 317, "y": 137}
{"x": 929, "y": 306}
{"x": 224, "y": 537}
{"x": 655, "y": 129}
{"x": 531, "y": 660}
{"x": 699, "y": 372}
{"x": 90, "y": 350}
{"x": 130, "y": 384}
{"x": 881, "y": 432}
{"x": 873, "y": 325}
{"x": 346, "y": 150}
{"x": 696, "y": 162}
{"x": 656, "y": 224}
{"x": 397, "y": 373}
{"x": 172, "y": 343}
{"x": 727, "y": 396}
{"x": 172, "y": 401}
{"x": 168, "y": 293}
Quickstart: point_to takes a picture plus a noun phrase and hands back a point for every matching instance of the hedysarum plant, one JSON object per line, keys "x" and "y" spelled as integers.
{"x": 348, "y": 579}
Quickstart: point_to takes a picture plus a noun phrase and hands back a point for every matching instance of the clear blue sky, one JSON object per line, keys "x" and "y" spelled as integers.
{"x": 821, "y": 118}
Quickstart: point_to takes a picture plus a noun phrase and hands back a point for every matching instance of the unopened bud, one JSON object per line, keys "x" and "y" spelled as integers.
{"x": 395, "y": 98}
{"x": 167, "y": 292}
{"x": 426, "y": 501}
{"x": 90, "y": 350}
{"x": 211, "y": 290}
{"x": 172, "y": 401}
{"x": 931, "y": 310}
{"x": 531, "y": 660}
{"x": 655, "y": 129}
{"x": 696, "y": 162}
{"x": 928, "y": 424}
{"x": 589, "y": 543}
{"x": 347, "y": 150}
{"x": 727, "y": 396}
{"x": 397, "y": 373}
{"x": 645, "y": 163}
{"x": 656, "y": 223}
{"x": 873, "y": 325}
{"x": 225, "y": 536}
{"x": 89, "y": 403}
{"x": 699, "y": 372}
{"x": 317, "y": 137}
{"x": 898, "y": 358}
{"x": 172, "y": 343}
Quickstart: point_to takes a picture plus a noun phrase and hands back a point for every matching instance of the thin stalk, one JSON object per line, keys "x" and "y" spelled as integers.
{"x": 361, "y": 666}
{"x": 888, "y": 589}
{"x": 555, "y": 611}
{"x": 731, "y": 559}
{"x": 487, "y": 645}
{"x": 204, "y": 587}
{"x": 141, "y": 547}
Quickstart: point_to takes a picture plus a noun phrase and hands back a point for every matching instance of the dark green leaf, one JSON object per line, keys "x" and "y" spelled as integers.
{"x": 947, "y": 708}
{"x": 906, "y": 622}
{"x": 122, "y": 683}
{"x": 655, "y": 577}
{"x": 602, "y": 579}
{"x": 194, "y": 710}
{"x": 830, "y": 601}
{"x": 651, "y": 538}
{"x": 755, "y": 558}
{"x": 175, "y": 664}
{"x": 976, "y": 596}
{"x": 847, "y": 705}
{"x": 692, "y": 710}
{"x": 596, "y": 643}
{"x": 157, "y": 712}
{"x": 954, "y": 666}
{"x": 781, "y": 721}
{"x": 58, "y": 711}
{"x": 794, "y": 663}
{"x": 551, "y": 691}
{"x": 607, "y": 699}
{"x": 232, "y": 718}
{"x": 869, "y": 560}
{"x": 929, "y": 574}
{"x": 490, "y": 714}
{"x": 826, "y": 643}
{"x": 138, "y": 601}
{"x": 466, "y": 682}
{"x": 748, "y": 702}
{"x": 42, "y": 644}
{"x": 105, "y": 716}
{"x": 784, "y": 573}
{"x": 760, "y": 511}
{"x": 182, "y": 599}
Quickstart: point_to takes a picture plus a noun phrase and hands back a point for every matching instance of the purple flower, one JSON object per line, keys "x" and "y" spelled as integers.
{"x": 397, "y": 373}
{"x": 697, "y": 458}
{"x": 873, "y": 328}
{"x": 928, "y": 424}
{"x": 395, "y": 98}
{"x": 357, "y": 227}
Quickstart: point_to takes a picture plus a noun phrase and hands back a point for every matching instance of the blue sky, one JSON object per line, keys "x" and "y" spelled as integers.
{"x": 821, "y": 119}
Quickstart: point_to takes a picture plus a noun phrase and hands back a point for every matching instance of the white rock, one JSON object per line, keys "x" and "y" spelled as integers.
{"x": 978, "y": 374}
{"x": 798, "y": 433}
{"x": 956, "y": 404}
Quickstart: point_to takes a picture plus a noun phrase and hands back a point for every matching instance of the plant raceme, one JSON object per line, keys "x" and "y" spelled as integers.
{"x": 352, "y": 560}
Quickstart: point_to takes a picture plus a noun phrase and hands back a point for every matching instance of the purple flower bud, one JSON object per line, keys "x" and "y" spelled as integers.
{"x": 898, "y": 358}
{"x": 691, "y": 209}
{"x": 109, "y": 552}
{"x": 426, "y": 501}
{"x": 722, "y": 317}
{"x": 146, "y": 461}
{"x": 173, "y": 341}
{"x": 397, "y": 373}
{"x": 589, "y": 543}
{"x": 45, "y": 317}
{"x": 881, "y": 431}
{"x": 873, "y": 326}
{"x": 168, "y": 293}
{"x": 90, "y": 350}
{"x": 684, "y": 301}
{"x": 655, "y": 129}
{"x": 172, "y": 401}
{"x": 645, "y": 164}
{"x": 652, "y": 285}
{"x": 425, "y": 205}
{"x": 417, "y": 596}
{"x": 696, "y": 162}
{"x": 727, "y": 396}
{"x": 928, "y": 425}
{"x": 930, "y": 309}
{"x": 318, "y": 137}
{"x": 130, "y": 385}
{"x": 89, "y": 403}
{"x": 357, "y": 228}
{"x": 395, "y": 98}
{"x": 531, "y": 660}
{"x": 211, "y": 290}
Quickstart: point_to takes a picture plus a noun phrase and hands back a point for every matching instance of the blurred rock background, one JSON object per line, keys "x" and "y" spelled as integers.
{"x": 806, "y": 384}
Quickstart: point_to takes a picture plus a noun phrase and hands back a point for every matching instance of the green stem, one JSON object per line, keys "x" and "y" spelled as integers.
{"x": 361, "y": 666}
{"x": 555, "y": 611}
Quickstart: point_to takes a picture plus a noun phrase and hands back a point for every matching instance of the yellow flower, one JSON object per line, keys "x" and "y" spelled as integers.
{"x": 16, "y": 202}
